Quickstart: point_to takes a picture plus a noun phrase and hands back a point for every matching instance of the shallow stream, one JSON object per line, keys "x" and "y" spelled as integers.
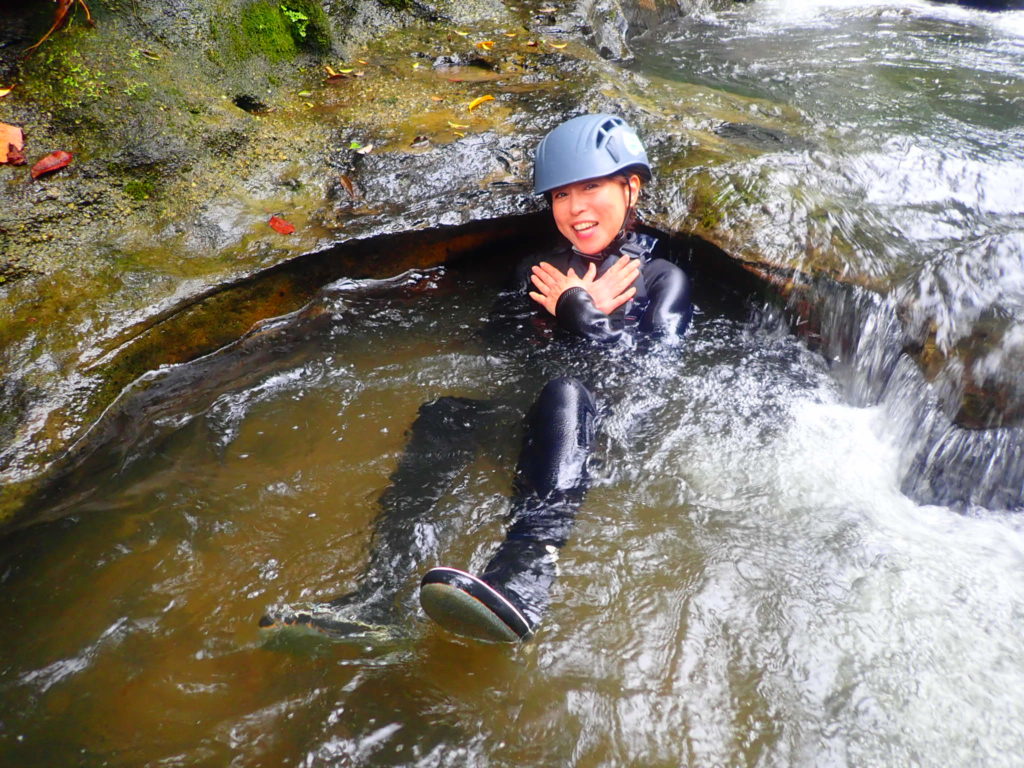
{"x": 747, "y": 584}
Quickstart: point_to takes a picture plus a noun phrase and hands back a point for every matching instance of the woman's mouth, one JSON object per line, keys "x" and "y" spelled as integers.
{"x": 584, "y": 226}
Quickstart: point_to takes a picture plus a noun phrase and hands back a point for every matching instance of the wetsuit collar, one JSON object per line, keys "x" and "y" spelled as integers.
{"x": 612, "y": 249}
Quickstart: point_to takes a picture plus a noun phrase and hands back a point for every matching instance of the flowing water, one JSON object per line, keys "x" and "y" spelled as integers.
{"x": 751, "y": 580}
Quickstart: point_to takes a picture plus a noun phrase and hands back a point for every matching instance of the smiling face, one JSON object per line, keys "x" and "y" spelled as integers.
{"x": 590, "y": 213}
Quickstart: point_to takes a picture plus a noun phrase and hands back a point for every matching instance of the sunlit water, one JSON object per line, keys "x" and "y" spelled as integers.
{"x": 747, "y": 584}
{"x": 908, "y": 161}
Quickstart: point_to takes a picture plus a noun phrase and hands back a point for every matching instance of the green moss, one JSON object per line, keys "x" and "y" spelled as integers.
{"x": 263, "y": 31}
{"x": 705, "y": 202}
{"x": 280, "y": 30}
{"x": 140, "y": 189}
{"x": 63, "y": 77}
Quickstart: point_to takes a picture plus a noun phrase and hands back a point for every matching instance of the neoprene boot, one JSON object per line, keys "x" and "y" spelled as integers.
{"x": 507, "y": 600}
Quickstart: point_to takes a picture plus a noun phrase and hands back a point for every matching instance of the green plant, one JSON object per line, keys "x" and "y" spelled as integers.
{"x": 298, "y": 19}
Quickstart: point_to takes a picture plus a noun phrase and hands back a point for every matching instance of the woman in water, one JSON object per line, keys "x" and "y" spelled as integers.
{"x": 606, "y": 285}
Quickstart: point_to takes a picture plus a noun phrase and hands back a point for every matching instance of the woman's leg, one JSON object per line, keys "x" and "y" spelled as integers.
{"x": 509, "y": 597}
{"x": 443, "y": 440}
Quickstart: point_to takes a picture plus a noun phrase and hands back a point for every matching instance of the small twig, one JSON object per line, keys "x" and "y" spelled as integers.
{"x": 59, "y": 17}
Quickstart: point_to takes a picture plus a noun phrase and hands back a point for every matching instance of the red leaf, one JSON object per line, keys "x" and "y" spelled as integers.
{"x": 281, "y": 225}
{"x": 52, "y": 162}
{"x": 11, "y": 136}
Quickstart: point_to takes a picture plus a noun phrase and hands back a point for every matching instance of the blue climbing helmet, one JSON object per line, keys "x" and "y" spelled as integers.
{"x": 587, "y": 147}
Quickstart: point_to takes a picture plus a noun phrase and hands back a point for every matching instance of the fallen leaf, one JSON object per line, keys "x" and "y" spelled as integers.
{"x": 150, "y": 55}
{"x": 478, "y": 101}
{"x": 280, "y": 225}
{"x": 415, "y": 65}
{"x": 14, "y": 156}
{"x": 331, "y": 74}
{"x": 5, "y": 91}
{"x": 354, "y": 145}
{"x": 359, "y": 73}
{"x": 460, "y": 33}
{"x": 11, "y": 137}
{"x": 51, "y": 162}
{"x": 346, "y": 70}
{"x": 559, "y": 46}
{"x": 365, "y": 150}
{"x": 549, "y": 9}
{"x": 485, "y": 45}
{"x": 532, "y": 43}
{"x": 364, "y": 62}
{"x": 305, "y": 93}
{"x": 346, "y": 182}
{"x": 456, "y": 125}
{"x": 437, "y": 98}
{"x": 511, "y": 34}
{"x": 460, "y": 134}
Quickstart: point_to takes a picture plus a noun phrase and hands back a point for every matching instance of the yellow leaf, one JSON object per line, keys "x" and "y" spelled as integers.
{"x": 150, "y": 55}
{"x": 345, "y": 71}
{"x": 359, "y": 73}
{"x": 485, "y": 45}
{"x": 330, "y": 71}
{"x": 437, "y": 98}
{"x": 456, "y": 125}
{"x": 511, "y": 34}
{"x": 460, "y": 134}
{"x": 549, "y": 9}
{"x": 460, "y": 33}
{"x": 5, "y": 91}
{"x": 415, "y": 65}
{"x": 478, "y": 101}
{"x": 559, "y": 46}
{"x": 364, "y": 62}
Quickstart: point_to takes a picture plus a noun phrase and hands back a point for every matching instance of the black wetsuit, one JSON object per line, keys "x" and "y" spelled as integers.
{"x": 551, "y": 473}
{"x": 551, "y": 476}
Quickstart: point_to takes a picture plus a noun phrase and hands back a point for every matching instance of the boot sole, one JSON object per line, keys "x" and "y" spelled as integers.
{"x": 467, "y": 606}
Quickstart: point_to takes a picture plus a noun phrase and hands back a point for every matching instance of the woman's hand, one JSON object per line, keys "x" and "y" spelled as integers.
{"x": 615, "y": 287}
{"x": 550, "y": 283}
{"x": 608, "y": 292}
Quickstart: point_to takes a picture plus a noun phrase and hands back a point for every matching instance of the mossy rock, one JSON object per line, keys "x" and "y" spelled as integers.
{"x": 280, "y": 30}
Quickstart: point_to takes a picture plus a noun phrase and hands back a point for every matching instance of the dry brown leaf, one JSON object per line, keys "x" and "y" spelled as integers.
{"x": 11, "y": 137}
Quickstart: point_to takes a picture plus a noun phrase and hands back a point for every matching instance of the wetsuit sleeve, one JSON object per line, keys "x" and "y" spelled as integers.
{"x": 576, "y": 313}
{"x": 670, "y": 304}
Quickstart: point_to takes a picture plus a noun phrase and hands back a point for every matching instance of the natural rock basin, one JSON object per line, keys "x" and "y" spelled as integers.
{"x": 745, "y": 570}
{"x": 801, "y": 547}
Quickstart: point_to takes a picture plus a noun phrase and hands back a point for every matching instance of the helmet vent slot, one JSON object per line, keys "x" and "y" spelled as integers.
{"x": 603, "y": 132}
